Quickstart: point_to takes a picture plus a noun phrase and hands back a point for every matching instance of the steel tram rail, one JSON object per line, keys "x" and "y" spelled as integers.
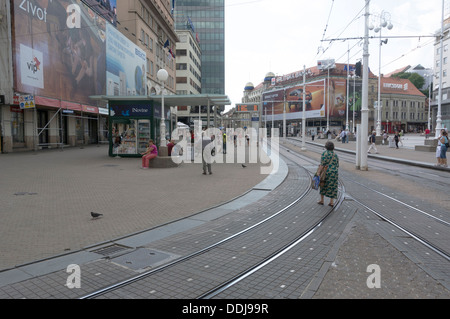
{"x": 197, "y": 253}
{"x": 411, "y": 233}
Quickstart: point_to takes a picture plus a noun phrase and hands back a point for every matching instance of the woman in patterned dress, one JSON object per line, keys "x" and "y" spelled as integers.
{"x": 330, "y": 189}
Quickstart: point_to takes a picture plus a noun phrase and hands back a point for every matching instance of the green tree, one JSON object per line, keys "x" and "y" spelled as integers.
{"x": 417, "y": 80}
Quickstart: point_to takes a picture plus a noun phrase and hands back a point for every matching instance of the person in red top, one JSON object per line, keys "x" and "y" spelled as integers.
{"x": 170, "y": 146}
{"x": 150, "y": 153}
{"x": 427, "y": 132}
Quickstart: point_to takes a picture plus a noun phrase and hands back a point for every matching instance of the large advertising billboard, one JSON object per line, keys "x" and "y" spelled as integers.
{"x": 60, "y": 51}
{"x": 316, "y": 98}
{"x": 125, "y": 65}
{"x": 274, "y": 102}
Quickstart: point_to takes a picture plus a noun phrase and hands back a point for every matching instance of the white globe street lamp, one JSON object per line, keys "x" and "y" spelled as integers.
{"x": 162, "y": 76}
{"x": 384, "y": 23}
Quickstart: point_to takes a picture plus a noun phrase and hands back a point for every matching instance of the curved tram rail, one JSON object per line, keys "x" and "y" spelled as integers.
{"x": 417, "y": 233}
{"x": 225, "y": 285}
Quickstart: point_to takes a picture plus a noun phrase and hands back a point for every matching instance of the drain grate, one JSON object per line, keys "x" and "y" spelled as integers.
{"x": 111, "y": 250}
{"x": 143, "y": 258}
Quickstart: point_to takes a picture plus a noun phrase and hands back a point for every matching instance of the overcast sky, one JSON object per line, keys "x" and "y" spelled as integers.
{"x": 281, "y": 36}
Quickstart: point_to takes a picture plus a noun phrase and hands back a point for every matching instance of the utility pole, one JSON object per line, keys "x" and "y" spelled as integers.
{"x": 304, "y": 110}
{"x": 439, "y": 118}
{"x": 365, "y": 96}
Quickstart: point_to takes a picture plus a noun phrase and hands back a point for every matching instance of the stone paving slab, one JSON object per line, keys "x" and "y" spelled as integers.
{"x": 46, "y": 198}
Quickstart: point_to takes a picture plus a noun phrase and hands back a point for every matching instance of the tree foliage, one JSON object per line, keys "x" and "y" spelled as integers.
{"x": 415, "y": 78}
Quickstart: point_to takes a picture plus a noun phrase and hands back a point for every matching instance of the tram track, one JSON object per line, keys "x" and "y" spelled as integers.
{"x": 254, "y": 268}
{"x": 187, "y": 262}
{"x": 420, "y": 234}
{"x": 377, "y": 163}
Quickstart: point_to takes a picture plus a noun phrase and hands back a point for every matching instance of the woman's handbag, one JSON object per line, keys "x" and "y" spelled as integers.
{"x": 315, "y": 182}
{"x": 322, "y": 175}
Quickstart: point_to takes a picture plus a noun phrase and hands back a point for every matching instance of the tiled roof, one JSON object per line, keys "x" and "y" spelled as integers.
{"x": 399, "y": 86}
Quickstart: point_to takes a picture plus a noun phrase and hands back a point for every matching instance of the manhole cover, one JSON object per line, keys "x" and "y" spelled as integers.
{"x": 111, "y": 250}
{"x": 142, "y": 258}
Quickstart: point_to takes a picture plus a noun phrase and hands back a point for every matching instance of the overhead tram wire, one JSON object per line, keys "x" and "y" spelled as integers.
{"x": 357, "y": 16}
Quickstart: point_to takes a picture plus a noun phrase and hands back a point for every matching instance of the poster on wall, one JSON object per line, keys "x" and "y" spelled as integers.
{"x": 318, "y": 95}
{"x": 273, "y": 102}
{"x": 31, "y": 67}
{"x": 125, "y": 65}
{"x": 52, "y": 57}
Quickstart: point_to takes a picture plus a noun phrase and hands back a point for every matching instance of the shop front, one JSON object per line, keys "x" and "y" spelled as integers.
{"x": 133, "y": 124}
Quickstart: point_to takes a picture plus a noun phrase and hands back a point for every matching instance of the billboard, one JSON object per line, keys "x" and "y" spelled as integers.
{"x": 125, "y": 65}
{"x": 291, "y": 98}
{"x": 247, "y": 107}
{"x": 273, "y": 102}
{"x": 60, "y": 51}
{"x": 53, "y": 60}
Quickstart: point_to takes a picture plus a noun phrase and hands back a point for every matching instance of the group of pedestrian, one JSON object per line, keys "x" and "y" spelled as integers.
{"x": 441, "y": 149}
{"x": 344, "y": 136}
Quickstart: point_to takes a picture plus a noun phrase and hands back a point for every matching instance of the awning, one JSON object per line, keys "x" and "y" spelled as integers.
{"x": 172, "y": 100}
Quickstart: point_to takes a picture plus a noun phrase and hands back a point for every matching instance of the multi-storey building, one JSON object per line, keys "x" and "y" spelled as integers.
{"x": 188, "y": 64}
{"x": 403, "y": 106}
{"x": 150, "y": 24}
{"x": 208, "y": 17}
{"x": 445, "y": 103}
{"x": 281, "y": 97}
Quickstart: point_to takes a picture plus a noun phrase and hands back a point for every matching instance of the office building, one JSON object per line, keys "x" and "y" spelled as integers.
{"x": 207, "y": 20}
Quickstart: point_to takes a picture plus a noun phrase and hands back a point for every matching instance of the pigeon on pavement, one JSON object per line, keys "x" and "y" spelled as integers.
{"x": 96, "y": 215}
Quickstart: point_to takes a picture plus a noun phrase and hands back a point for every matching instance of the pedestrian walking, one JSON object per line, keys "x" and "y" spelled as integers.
{"x": 343, "y": 136}
{"x": 224, "y": 143}
{"x": 313, "y": 134}
{"x": 438, "y": 149}
{"x": 372, "y": 140}
{"x": 330, "y": 162}
{"x": 396, "y": 139}
{"x": 206, "y": 155}
{"x": 444, "y": 146}
{"x": 385, "y": 137}
{"x": 427, "y": 133}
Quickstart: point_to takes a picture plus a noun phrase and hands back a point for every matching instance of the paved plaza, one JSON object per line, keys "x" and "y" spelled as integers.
{"x": 46, "y": 198}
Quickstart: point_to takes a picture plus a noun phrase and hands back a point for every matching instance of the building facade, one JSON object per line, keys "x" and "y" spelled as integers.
{"x": 53, "y": 65}
{"x": 188, "y": 64}
{"x": 150, "y": 25}
{"x": 281, "y": 100}
{"x": 208, "y": 17}
{"x": 404, "y": 107}
{"x": 445, "y": 54}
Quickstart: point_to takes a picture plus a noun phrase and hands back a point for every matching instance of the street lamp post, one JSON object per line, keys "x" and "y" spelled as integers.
{"x": 384, "y": 23}
{"x": 438, "y": 117}
{"x": 162, "y": 76}
{"x": 362, "y": 141}
{"x": 304, "y": 111}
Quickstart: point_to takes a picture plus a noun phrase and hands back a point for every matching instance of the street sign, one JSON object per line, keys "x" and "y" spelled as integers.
{"x": 26, "y": 102}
